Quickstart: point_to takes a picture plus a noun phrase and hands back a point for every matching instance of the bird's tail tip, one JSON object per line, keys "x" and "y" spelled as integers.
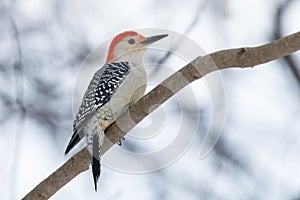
{"x": 96, "y": 166}
{"x": 96, "y": 170}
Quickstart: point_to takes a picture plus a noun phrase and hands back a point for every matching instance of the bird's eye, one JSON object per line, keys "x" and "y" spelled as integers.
{"x": 131, "y": 41}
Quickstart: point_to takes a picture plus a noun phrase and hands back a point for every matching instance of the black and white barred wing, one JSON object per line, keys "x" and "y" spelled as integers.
{"x": 104, "y": 84}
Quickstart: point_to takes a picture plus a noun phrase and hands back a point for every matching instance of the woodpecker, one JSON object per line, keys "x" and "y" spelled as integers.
{"x": 118, "y": 84}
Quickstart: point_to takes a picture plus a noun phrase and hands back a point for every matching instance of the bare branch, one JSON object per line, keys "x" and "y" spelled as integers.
{"x": 62, "y": 176}
{"x": 278, "y": 34}
{"x": 241, "y": 57}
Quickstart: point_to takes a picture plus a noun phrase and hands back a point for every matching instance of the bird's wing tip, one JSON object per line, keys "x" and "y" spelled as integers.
{"x": 67, "y": 151}
{"x": 73, "y": 142}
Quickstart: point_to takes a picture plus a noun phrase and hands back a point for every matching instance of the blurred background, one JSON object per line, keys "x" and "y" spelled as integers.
{"x": 43, "y": 44}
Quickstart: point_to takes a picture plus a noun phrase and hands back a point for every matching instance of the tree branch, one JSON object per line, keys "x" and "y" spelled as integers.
{"x": 241, "y": 57}
{"x": 281, "y": 10}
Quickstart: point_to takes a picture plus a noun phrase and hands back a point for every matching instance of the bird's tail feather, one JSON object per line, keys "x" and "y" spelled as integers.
{"x": 96, "y": 166}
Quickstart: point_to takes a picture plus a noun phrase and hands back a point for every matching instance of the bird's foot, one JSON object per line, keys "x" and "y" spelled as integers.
{"x": 120, "y": 141}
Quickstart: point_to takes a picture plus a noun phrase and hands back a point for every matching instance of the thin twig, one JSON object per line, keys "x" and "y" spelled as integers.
{"x": 19, "y": 99}
{"x": 188, "y": 29}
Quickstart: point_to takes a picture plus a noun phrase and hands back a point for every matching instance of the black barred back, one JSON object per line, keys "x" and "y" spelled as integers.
{"x": 100, "y": 90}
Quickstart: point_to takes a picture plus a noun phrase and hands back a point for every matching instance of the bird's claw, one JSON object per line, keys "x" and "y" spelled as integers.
{"x": 120, "y": 141}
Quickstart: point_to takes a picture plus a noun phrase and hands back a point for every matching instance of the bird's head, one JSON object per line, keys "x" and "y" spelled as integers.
{"x": 130, "y": 46}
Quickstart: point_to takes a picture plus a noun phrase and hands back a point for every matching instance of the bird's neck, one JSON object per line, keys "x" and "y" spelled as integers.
{"x": 134, "y": 58}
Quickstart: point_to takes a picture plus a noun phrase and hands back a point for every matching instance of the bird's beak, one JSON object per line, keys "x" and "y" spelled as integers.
{"x": 150, "y": 40}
